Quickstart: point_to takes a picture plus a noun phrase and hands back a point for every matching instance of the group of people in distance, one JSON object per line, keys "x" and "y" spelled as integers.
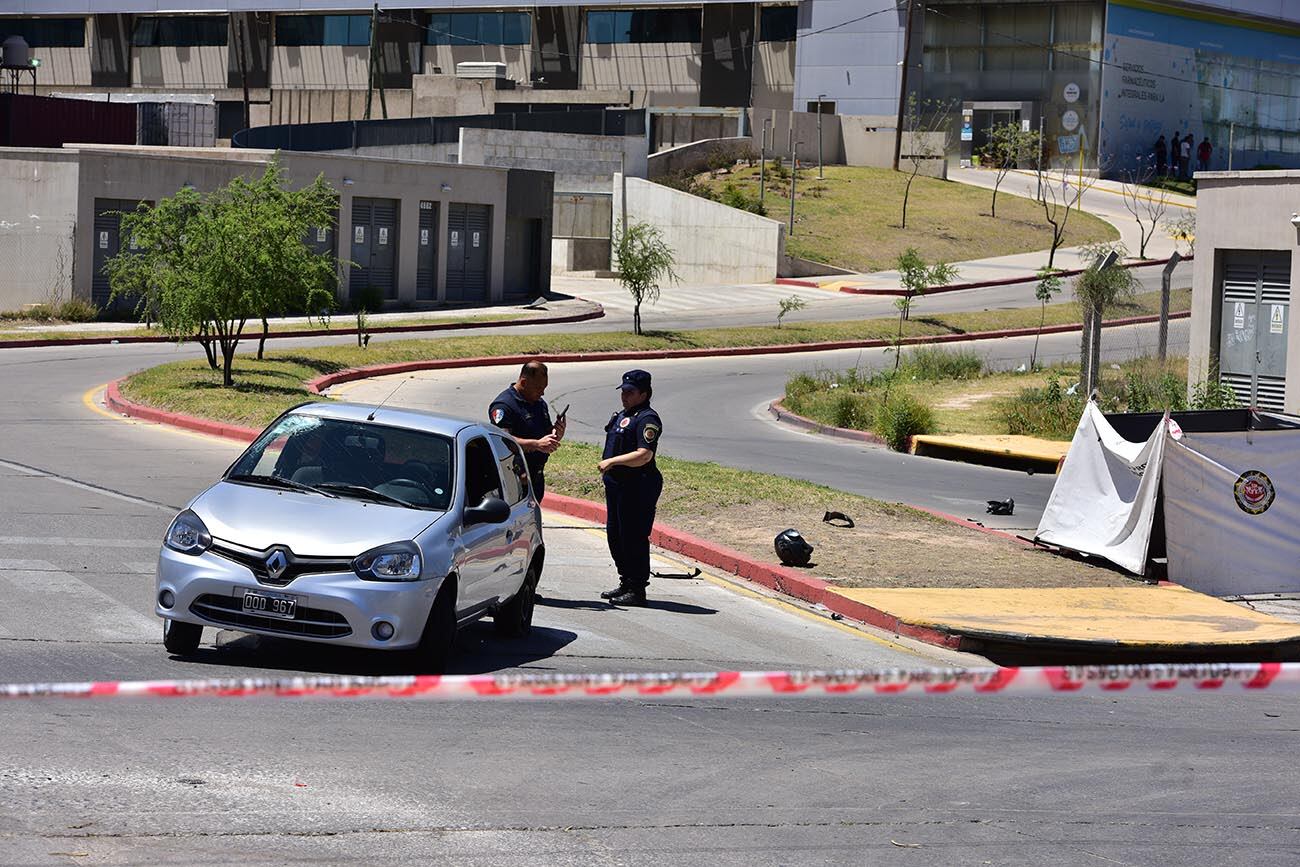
{"x": 1174, "y": 158}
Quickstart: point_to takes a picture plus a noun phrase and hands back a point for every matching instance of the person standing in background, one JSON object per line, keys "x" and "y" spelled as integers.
{"x": 1203, "y": 153}
{"x": 1161, "y": 152}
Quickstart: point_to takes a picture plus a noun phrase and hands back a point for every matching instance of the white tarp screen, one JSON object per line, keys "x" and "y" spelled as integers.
{"x": 1215, "y": 545}
{"x": 1104, "y": 500}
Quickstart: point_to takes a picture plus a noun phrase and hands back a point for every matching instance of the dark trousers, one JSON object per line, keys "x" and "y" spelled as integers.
{"x": 630, "y": 513}
{"x": 539, "y": 483}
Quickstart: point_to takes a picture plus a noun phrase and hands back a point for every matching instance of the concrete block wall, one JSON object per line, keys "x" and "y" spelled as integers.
{"x": 581, "y": 163}
{"x": 711, "y": 242}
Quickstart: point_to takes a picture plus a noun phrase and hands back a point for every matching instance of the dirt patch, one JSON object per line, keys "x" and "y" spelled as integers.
{"x": 898, "y": 550}
{"x": 964, "y": 401}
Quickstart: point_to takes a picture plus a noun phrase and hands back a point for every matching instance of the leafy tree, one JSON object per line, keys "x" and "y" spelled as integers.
{"x": 915, "y": 275}
{"x": 1049, "y": 284}
{"x": 1008, "y": 146}
{"x": 206, "y": 265}
{"x": 644, "y": 261}
{"x": 1101, "y": 285}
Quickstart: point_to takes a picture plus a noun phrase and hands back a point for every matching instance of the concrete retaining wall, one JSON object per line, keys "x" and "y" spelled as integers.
{"x": 38, "y": 218}
{"x": 579, "y": 254}
{"x": 582, "y": 163}
{"x": 695, "y": 157}
{"x": 712, "y": 243}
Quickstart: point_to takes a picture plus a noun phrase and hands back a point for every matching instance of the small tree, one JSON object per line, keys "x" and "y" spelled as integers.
{"x": 789, "y": 305}
{"x": 1049, "y": 284}
{"x": 916, "y": 276}
{"x": 644, "y": 261}
{"x": 1183, "y": 228}
{"x": 1009, "y": 145}
{"x": 1063, "y": 191}
{"x": 1101, "y": 286}
{"x": 208, "y": 264}
{"x": 1147, "y": 204}
{"x": 925, "y": 137}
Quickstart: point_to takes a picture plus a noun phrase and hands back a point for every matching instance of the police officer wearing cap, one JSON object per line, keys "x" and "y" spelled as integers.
{"x": 632, "y": 487}
{"x": 521, "y": 412}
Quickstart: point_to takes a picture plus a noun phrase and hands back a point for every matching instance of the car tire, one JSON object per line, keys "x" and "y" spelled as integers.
{"x": 439, "y": 637}
{"x": 514, "y": 619}
{"x": 181, "y": 638}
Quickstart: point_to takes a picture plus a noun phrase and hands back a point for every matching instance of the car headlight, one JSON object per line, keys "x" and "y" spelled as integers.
{"x": 397, "y": 562}
{"x": 188, "y": 535}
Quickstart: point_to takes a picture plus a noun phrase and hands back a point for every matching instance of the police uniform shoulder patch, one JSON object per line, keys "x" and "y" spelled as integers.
{"x": 650, "y": 432}
{"x": 498, "y": 414}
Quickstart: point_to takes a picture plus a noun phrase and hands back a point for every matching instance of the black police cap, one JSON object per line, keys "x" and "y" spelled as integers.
{"x": 638, "y": 379}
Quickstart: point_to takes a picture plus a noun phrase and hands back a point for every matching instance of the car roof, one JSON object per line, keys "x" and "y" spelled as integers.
{"x": 390, "y": 416}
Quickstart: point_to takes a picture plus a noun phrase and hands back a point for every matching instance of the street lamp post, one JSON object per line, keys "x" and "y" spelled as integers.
{"x": 762, "y": 159}
{"x": 820, "y": 97}
{"x": 794, "y": 175}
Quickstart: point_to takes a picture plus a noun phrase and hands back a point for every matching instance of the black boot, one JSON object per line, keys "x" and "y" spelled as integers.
{"x": 632, "y": 597}
{"x": 617, "y": 591}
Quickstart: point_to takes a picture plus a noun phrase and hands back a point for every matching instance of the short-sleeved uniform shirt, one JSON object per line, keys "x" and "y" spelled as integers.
{"x": 531, "y": 421}
{"x": 629, "y": 430}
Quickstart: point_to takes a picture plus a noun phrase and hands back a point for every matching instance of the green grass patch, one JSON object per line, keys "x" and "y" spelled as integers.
{"x": 1173, "y": 185}
{"x": 851, "y": 218}
{"x": 266, "y": 388}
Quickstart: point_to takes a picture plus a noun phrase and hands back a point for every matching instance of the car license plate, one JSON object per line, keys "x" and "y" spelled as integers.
{"x": 270, "y": 605}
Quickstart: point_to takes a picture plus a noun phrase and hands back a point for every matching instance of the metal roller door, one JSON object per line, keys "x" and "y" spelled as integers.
{"x": 469, "y": 237}
{"x": 374, "y": 247}
{"x": 1253, "y": 330}
{"x": 108, "y": 242}
{"x": 426, "y": 275}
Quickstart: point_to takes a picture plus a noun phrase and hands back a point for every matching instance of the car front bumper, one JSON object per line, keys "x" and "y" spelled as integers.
{"x": 332, "y": 608}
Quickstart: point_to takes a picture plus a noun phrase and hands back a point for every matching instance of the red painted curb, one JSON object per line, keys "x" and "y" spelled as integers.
{"x": 778, "y": 411}
{"x": 317, "y": 332}
{"x": 320, "y": 383}
{"x": 1001, "y": 281}
{"x": 115, "y": 401}
{"x": 779, "y": 578}
{"x": 792, "y": 281}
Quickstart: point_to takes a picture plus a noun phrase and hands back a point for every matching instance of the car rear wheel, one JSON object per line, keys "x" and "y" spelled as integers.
{"x": 439, "y": 637}
{"x": 515, "y": 618}
{"x": 181, "y": 638}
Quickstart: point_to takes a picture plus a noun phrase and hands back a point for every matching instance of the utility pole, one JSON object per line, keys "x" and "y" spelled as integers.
{"x": 370, "y": 66}
{"x": 379, "y": 61}
{"x": 794, "y": 171}
{"x": 1165, "y": 277}
{"x": 241, "y": 37}
{"x": 902, "y": 85}
{"x": 820, "y": 97}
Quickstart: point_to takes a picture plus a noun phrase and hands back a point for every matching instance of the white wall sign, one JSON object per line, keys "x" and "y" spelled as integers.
{"x": 474, "y": 239}
{"x": 1275, "y": 319}
{"x": 103, "y": 240}
{"x": 1070, "y": 120}
{"x": 383, "y": 235}
{"x": 424, "y": 237}
{"x": 1071, "y": 92}
{"x": 1239, "y": 315}
{"x": 322, "y": 235}
{"x": 455, "y": 238}
{"x": 358, "y": 234}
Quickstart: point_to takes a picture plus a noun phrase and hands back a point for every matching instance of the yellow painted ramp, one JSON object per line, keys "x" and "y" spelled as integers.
{"x": 979, "y": 449}
{"x": 1163, "y": 617}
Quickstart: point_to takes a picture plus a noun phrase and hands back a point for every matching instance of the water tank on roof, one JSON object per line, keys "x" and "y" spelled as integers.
{"x": 16, "y": 52}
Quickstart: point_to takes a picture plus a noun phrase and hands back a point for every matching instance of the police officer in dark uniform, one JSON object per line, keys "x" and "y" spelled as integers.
{"x": 521, "y": 412}
{"x": 632, "y": 487}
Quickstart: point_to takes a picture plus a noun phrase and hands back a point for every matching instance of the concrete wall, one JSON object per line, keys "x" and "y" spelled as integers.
{"x": 154, "y": 173}
{"x": 582, "y": 215}
{"x": 671, "y": 128}
{"x": 868, "y": 140}
{"x": 1242, "y": 211}
{"x": 38, "y": 217}
{"x": 711, "y": 242}
{"x": 695, "y": 157}
{"x": 805, "y": 130}
{"x": 307, "y": 105}
{"x": 581, "y": 163}
{"x": 180, "y": 68}
{"x": 569, "y": 255}
{"x": 773, "y": 82}
{"x": 321, "y": 67}
{"x": 668, "y": 72}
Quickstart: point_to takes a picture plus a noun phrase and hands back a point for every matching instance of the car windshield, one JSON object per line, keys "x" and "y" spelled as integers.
{"x": 354, "y": 460}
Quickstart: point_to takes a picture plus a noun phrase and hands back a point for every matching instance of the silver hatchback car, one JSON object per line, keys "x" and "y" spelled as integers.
{"x": 345, "y": 524}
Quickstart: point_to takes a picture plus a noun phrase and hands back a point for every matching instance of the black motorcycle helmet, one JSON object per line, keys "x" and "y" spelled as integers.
{"x": 792, "y": 548}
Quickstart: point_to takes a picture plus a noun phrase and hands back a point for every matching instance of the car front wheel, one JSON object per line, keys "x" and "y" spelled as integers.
{"x": 434, "y": 651}
{"x": 515, "y": 618}
{"x": 181, "y": 638}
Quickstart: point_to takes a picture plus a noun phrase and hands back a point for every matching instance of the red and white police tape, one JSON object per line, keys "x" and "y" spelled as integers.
{"x": 738, "y": 684}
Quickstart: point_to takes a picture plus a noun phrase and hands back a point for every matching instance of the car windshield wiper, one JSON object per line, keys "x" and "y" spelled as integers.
{"x": 368, "y": 493}
{"x": 278, "y": 482}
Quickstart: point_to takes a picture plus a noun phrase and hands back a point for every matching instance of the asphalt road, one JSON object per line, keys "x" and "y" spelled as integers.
{"x": 1136, "y": 779}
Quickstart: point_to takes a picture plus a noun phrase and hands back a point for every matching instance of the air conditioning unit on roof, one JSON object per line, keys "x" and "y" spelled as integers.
{"x": 480, "y": 69}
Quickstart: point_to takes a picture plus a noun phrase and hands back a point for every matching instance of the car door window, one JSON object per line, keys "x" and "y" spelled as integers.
{"x": 514, "y": 472}
{"x": 481, "y": 476}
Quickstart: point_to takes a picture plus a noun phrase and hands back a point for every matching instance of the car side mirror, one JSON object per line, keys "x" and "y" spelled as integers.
{"x": 493, "y": 510}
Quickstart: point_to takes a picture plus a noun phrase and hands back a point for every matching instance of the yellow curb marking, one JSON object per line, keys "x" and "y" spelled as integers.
{"x": 1100, "y": 189}
{"x": 89, "y": 399}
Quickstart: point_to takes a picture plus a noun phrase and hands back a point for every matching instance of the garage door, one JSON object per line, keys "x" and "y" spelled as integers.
{"x": 374, "y": 248}
{"x": 1256, "y": 292}
{"x": 469, "y": 237}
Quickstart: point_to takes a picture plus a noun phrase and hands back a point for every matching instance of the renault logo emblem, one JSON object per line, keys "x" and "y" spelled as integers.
{"x": 276, "y": 563}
